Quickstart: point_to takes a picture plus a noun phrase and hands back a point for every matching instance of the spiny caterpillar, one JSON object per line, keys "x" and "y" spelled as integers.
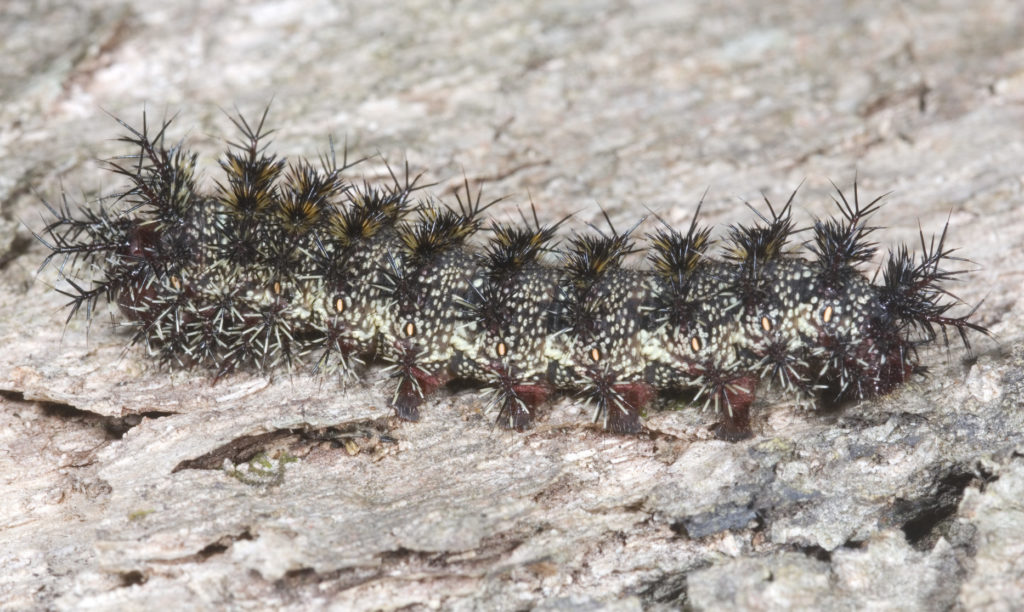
{"x": 287, "y": 263}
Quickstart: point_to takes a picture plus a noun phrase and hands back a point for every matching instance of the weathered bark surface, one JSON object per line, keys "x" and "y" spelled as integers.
{"x": 114, "y": 491}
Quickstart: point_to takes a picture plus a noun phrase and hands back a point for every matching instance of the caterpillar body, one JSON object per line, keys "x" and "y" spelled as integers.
{"x": 288, "y": 263}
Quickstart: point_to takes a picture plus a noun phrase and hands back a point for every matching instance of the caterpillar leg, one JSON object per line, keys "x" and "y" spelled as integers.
{"x": 414, "y": 385}
{"x": 518, "y": 404}
{"x": 734, "y": 400}
{"x": 416, "y": 380}
{"x": 623, "y": 407}
{"x": 619, "y": 403}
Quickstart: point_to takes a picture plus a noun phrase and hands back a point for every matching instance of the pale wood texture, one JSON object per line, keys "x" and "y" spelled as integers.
{"x": 114, "y": 495}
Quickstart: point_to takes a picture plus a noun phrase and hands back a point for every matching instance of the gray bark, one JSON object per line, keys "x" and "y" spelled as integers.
{"x": 128, "y": 486}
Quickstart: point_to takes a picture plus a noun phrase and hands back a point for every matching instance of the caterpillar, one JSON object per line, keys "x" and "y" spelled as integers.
{"x": 286, "y": 263}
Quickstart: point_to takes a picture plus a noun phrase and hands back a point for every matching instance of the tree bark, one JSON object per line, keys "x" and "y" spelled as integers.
{"x": 127, "y": 485}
